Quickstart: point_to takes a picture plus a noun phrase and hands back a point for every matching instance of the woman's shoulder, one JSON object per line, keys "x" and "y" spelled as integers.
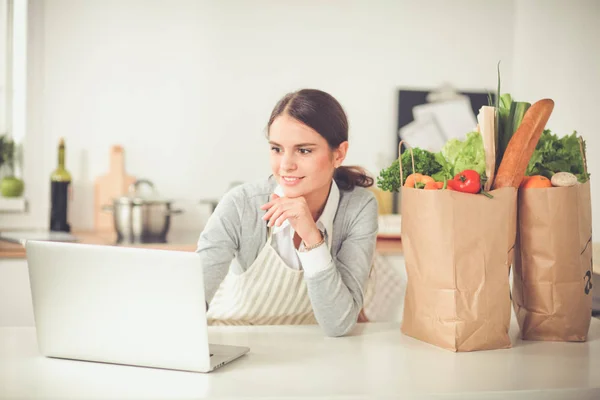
{"x": 242, "y": 202}
{"x": 357, "y": 212}
{"x": 251, "y": 192}
{"x": 357, "y": 198}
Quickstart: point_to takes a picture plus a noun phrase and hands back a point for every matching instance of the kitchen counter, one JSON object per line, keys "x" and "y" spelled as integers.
{"x": 180, "y": 241}
{"x": 374, "y": 361}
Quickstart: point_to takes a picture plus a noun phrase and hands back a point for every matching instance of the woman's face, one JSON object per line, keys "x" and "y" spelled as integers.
{"x": 301, "y": 159}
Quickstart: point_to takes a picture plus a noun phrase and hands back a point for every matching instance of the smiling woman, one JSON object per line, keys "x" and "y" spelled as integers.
{"x": 297, "y": 247}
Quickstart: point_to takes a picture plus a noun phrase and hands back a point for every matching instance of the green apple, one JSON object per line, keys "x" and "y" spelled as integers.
{"x": 11, "y": 186}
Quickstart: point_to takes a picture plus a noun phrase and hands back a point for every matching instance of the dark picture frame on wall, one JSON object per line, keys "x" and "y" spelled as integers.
{"x": 408, "y": 98}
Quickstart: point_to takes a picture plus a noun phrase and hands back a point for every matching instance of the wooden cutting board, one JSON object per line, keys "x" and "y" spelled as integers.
{"x": 108, "y": 186}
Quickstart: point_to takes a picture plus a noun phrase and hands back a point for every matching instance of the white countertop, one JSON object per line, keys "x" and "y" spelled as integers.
{"x": 376, "y": 361}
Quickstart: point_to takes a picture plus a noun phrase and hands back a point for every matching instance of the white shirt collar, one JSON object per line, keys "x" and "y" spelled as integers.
{"x": 325, "y": 221}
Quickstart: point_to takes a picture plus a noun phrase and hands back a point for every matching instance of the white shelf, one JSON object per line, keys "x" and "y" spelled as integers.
{"x": 13, "y": 204}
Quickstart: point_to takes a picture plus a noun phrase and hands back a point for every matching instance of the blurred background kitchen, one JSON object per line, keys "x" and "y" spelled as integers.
{"x": 186, "y": 86}
{"x": 179, "y": 92}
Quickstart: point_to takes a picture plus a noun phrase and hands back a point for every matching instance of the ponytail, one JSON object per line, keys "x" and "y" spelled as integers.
{"x": 348, "y": 177}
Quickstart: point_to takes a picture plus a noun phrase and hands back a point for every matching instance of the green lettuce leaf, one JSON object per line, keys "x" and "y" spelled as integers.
{"x": 455, "y": 157}
{"x": 553, "y": 154}
{"x": 462, "y": 155}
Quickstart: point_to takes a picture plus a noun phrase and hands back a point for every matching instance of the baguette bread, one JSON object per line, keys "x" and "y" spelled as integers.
{"x": 522, "y": 145}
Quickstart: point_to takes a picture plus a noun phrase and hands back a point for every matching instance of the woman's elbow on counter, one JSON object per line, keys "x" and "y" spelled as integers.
{"x": 339, "y": 330}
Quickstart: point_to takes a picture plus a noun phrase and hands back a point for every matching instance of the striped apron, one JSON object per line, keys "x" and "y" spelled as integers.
{"x": 267, "y": 293}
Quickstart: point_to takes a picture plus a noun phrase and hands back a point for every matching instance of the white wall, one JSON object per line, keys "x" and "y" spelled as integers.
{"x": 3, "y": 91}
{"x": 187, "y": 86}
{"x": 557, "y": 55}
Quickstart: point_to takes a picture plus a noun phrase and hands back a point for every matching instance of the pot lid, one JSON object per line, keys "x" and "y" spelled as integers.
{"x": 139, "y": 196}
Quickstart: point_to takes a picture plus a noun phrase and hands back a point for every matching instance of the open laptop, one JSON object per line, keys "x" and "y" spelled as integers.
{"x": 122, "y": 305}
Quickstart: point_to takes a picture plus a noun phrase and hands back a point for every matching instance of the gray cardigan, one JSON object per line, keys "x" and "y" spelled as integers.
{"x": 235, "y": 234}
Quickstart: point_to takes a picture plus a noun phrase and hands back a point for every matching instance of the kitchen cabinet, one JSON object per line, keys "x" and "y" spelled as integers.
{"x": 388, "y": 286}
{"x": 16, "y": 308}
{"x": 15, "y": 294}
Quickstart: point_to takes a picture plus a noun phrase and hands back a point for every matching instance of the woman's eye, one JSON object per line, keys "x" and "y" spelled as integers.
{"x": 275, "y": 149}
{"x": 305, "y": 151}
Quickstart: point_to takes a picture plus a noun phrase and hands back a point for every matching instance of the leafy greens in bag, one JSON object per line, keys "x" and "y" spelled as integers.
{"x": 456, "y": 156}
{"x": 553, "y": 154}
{"x": 425, "y": 163}
{"x": 462, "y": 155}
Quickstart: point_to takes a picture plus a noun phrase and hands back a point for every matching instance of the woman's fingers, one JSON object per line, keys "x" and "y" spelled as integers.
{"x": 283, "y": 217}
{"x": 277, "y": 207}
{"x": 274, "y": 207}
{"x": 269, "y": 213}
{"x": 270, "y": 204}
{"x": 266, "y": 206}
{"x": 275, "y": 216}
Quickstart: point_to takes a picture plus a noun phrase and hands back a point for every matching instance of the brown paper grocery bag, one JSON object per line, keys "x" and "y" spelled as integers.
{"x": 552, "y": 286}
{"x": 458, "y": 251}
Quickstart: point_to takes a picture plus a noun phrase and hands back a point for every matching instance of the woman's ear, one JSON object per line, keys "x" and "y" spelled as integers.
{"x": 339, "y": 154}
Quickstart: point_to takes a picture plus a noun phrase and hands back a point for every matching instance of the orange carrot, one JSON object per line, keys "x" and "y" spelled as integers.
{"x": 432, "y": 185}
{"x": 427, "y": 179}
{"x": 413, "y": 179}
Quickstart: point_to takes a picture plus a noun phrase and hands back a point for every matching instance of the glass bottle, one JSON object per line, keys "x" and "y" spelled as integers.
{"x": 60, "y": 180}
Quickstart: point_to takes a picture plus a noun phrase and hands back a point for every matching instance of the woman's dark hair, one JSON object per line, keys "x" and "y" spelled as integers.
{"x": 323, "y": 113}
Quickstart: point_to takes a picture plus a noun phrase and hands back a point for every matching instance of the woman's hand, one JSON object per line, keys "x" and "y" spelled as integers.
{"x": 296, "y": 211}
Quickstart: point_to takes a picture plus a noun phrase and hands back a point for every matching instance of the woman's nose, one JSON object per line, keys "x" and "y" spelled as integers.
{"x": 288, "y": 163}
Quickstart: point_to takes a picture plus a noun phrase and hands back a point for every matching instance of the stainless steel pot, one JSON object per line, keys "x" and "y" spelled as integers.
{"x": 141, "y": 218}
{"x": 212, "y": 204}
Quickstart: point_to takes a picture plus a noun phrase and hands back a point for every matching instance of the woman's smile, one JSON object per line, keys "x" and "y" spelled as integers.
{"x": 290, "y": 180}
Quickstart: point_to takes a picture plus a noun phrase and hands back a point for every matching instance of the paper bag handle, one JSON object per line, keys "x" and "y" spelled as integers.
{"x": 583, "y": 155}
{"x": 412, "y": 156}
